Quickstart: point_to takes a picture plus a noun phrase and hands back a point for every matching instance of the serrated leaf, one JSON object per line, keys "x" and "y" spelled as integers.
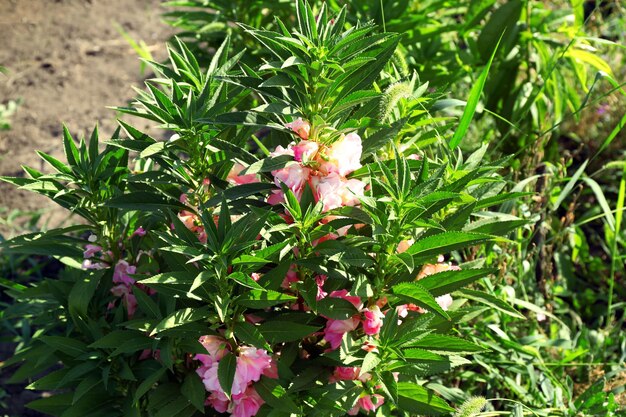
{"x": 414, "y": 293}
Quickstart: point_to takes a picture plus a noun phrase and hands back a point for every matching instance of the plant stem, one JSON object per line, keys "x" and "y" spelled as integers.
{"x": 618, "y": 225}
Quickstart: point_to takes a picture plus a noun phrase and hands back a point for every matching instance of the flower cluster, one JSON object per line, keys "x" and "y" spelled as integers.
{"x": 323, "y": 168}
{"x": 244, "y": 401}
{"x": 95, "y": 257}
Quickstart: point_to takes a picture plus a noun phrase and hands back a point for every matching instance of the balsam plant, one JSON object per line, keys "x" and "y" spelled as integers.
{"x": 303, "y": 257}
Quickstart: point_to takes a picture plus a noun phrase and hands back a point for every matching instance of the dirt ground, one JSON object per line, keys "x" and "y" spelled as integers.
{"x": 67, "y": 62}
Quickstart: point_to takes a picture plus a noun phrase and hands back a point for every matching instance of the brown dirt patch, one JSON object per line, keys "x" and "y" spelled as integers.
{"x": 67, "y": 62}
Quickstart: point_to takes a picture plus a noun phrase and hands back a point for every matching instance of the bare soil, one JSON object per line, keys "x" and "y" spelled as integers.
{"x": 67, "y": 62}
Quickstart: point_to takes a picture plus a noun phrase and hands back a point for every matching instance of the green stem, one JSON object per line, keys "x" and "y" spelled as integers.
{"x": 618, "y": 226}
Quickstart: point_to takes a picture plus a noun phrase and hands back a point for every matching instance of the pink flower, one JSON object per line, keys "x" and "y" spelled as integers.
{"x": 251, "y": 363}
{"x": 430, "y": 269}
{"x": 210, "y": 379}
{"x": 336, "y": 329}
{"x": 276, "y": 197}
{"x": 294, "y": 176}
{"x": 272, "y": 370}
{"x": 334, "y": 191}
{"x": 189, "y": 220}
{"x": 404, "y": 245}
{"x": 120, "y": 290}
{"x": 320, "y": 280}
{"x": 344, "y": 156}
{"x": 444, "y": 301}
{"x": 246, "y": 404}
{"x": 355, "y": 300}
{"x": 305, "y": 150}
{"x": 131, "y": 304}
{"x": 216, "y": 346}
{"x": 290, "y": 277}
{"x": 373, "y": 320}
{"x": 300, "y": 127}
{"x": 141, "y": 232}
{"x": 368, "y": 346}
{"x": 367, "y": 403}
{"x": 415, "y": 157}
{"x": 219, "y": 401}
{"x": 235, "y": 178}
{"x": 282, "y": 151}
{"x": 88, "y": 264}
{"x": 122, "y": 271}
{"x": 344, "y": 373}
{"x": 91, "y": 250}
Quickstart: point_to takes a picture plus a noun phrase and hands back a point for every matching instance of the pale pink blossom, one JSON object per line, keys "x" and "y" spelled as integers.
{"x": 216, "y": 346}
{"x": 336, "y": 329}
{"x": 290, "y": 277}
{"x": 246, "y": 404}
{"x": 89, "y": 264}
{"x": 404, "y": 245}
{"x": 219, "y": 401}
{"x": 122, "y": 272}
{"x": 305, "y": 150}
{"x": 344, "y": 373}
{"x": 276, "y": 197}
{"x": 430, "y": 269}
{"x": 367, "y": 403}
{"x": 251, "y": 363}
{"x": 415, "y": 157}
{"x": 320, "y": 280}
{"x": 91, "y": 250}
{"x": 368, "y": 346}
{"x": 300, "y": 127}
{"x": 131, "y": 304}
{"x": 343, "y": 156}
{"x": 444, "y": 301}
{"x": 141, "y": 232}
{"x": 373, "y": 320}
{"x": 334, "y": 191}
{"x": 355, "y": 300}
{"x": 294, "y": 176}
{"x": 279, "y": 150}
{"x": 210, "y": 379}
{"x": 235, "y": 177}
{"x": 189, "y": 219}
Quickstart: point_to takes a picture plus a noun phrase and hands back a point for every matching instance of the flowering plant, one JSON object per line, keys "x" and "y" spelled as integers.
{"x": 303, "y": 257}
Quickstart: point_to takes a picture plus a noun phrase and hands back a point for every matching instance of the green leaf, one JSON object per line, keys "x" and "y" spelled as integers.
{"x": 413, "y": 292}
{"x": 144, "y": 201}
{"x": 193, "y": 389}
{"x": 336, "y": 308}
{"x": 284, "y": 331}
{"x": 226, "y": 372}
{"x": 250, "y": 334}
{"x": 415, "y": 399}
{"x": 114, "y": 339}
{"x": 491, "y": 301}
{"x": 445, "y": 282}
{"x": 446, "y": 344}
{"x": 180, "y": 317}
{"x": 66, "y": 345}
{"x": 263, "y": 298}
{"x": 472, "y": 101}
{"x": 54, "y": 405}
{"x": 446, "y": 242}
{"x": 570, "y": 185}
{"x": 147, "y": 384}
{"x": 370, "y": 362}
{"x": 276, "y": 396}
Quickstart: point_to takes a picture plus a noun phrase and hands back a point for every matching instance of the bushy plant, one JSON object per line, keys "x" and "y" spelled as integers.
{"x": 302, "y": 257}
